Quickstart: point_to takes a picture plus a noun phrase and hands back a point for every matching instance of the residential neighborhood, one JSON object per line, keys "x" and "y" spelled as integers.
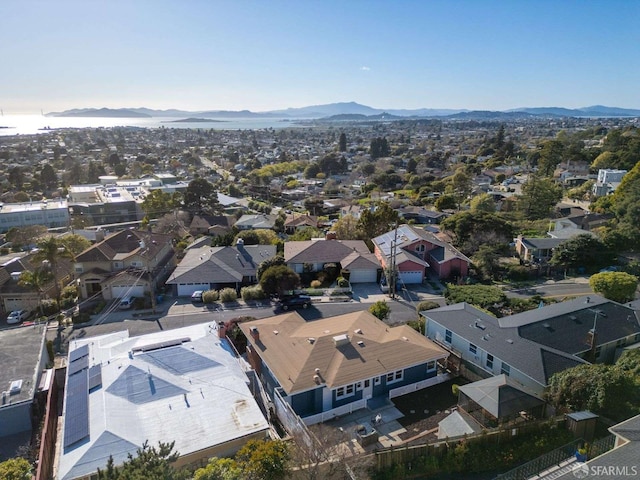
{"x": 384, "y": 292}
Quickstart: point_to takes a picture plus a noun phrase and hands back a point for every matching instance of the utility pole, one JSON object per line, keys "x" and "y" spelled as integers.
{"x": 392, "y": 280}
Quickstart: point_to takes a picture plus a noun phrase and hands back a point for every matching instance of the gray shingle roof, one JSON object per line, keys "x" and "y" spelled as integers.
{"x": 220, "y": 264}
{"x": 534, "y": 360}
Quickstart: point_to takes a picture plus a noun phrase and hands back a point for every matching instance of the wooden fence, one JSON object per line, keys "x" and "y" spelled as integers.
{"x": 47, "y": 453}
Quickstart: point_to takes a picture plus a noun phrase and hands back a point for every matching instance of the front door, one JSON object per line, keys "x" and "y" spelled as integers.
{"x": 367, "y": 390}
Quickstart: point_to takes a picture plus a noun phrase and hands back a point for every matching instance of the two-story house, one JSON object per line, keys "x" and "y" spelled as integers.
{"x": 126, "y": 263}
{"x": 530, "y": 347}
{"x": 415, "y": 253}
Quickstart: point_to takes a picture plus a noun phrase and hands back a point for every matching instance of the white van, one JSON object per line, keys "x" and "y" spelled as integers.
{"x": 126, "y": 303}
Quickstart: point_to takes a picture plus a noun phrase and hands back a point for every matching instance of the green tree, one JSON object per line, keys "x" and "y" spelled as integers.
{"x": 48, "y": 177}
{"x": 346, "y": 228}
{"x": 201, "y": 197}
{"x": 270, "y": 262}
{"x": 219, "y": 469}
{"x": 379, "y": 148}
{"x": 583, "y": 250}
{"x": 306, "y": 233}
{"x": 311, "y": 171}
{"x": 15, "y": 469}
{"x": 279, "y": 279}
{"x": 487, "y": 261}
{"x": 342, "y": 142}
{"x": 550, "y": 157}
{"x": 158, "y": 203}
{"x": 539, "y": 196}
{"x": 147, "y": 463}
{"x": 37, "y": 280}
{"x": 461, "y": 185}
{"x": 483, "y": 203}
{"x": 50, "y": 251}
{"x": 446, "y": 202}
{"x": 74, "y": 244}
{"x": 16, "y": 178}
{"x": 264, "y": 460}
{"x": 617, "y": 286}
{"x": 376, "y": 222}
{"x": 601, "y": 389}
{"x": 472, "y": 229}
{"x": 380, "y": 310}
{"x": 27, "y": 235}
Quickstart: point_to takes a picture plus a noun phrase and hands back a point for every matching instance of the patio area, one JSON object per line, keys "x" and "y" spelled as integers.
{"x": 360, "y": 425}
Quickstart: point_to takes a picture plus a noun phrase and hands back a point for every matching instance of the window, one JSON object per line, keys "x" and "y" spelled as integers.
{"x": 376, "y": 381}
{"x": 367, "y": 383}
{"x": 345, "y": 391}
{"x": 395, "y": 376}
{"x": 489, "y": 361}
{"x": 359, "y": 386}
{"x": 420, "y": 248}
{"x": 506, "y": 369}
{"x": 447, "y": 336}
{"x": 473, "y": 349}
{"x": 598, "y": 351}
{"x": 431, "y": 365}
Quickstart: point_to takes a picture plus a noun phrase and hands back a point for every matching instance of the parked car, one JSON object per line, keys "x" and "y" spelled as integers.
{"x": 197, "y": 296}
{"x": 126, "y": 303}
{"x": 294, "y": 301}
{"x": 17, "y": 316}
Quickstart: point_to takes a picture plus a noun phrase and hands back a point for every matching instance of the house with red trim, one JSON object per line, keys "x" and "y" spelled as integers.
{"x": 417, "y": 253}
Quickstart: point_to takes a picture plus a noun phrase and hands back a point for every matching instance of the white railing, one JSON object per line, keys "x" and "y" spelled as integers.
{"x": 336, "y": 412}
{"x": 396, "y": 392}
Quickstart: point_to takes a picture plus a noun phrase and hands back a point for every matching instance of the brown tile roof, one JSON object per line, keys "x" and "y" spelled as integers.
{"x": 286, "y": 348}
{"x": 123, "y": 244}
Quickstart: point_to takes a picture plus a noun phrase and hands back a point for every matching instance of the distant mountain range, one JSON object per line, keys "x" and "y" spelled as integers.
{"x": 348, "y": 111}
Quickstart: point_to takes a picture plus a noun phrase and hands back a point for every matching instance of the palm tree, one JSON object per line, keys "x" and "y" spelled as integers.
{"x": 36, "y": 280}
{"x": 50, "y": 250}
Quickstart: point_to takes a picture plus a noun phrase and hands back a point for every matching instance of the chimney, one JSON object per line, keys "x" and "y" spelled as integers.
{"x": 239, "y": 243}
{"x": 330, "y": 236}
{"x": 255, "y": 334}
{"x": 222, "y": 330}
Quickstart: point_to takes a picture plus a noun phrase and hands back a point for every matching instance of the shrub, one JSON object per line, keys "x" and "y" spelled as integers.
{"x": 316, "y": 284}
{"x": 50, "y": 350}
{"x": 343, "y": 282}
{"x": 518, "y": 273}
{"x": 427, "y": 305}
{"x": 81, "y": 318}
{"x": 70, "y": 291}
{"x": 49, "y": 306}
{"x": 252, "y": 293}
{"x": 99, "y": 307}
{"x": 228, "y": 295}
{"x": 210, "y": 296}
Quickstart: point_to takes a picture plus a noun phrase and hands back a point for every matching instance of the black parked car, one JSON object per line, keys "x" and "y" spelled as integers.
{"x": 294, "y": 301}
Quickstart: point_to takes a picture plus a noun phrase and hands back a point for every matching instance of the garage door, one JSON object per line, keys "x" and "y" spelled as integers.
{"x": 120, "y": 291}
{"x": 185, "y": 290}
{"x": 411, "y": 277}
{"x": 363, "y": 276}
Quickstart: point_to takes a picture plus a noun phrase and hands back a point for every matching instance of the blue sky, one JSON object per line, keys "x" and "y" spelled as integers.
{"x": 273, "y": 54}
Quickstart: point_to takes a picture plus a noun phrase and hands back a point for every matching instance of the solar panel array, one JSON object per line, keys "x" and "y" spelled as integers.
{"x": 95, "y": 377}
{"x": 83, "y": 351}
{"x": 76, "y": 419}
{"x": 79, "y": 364}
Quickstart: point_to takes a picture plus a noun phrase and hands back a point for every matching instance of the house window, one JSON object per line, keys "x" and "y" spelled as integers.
{"x": 620, "y": 342}
{"x": 359, "y": 386}
{"x": 447, "y": 336}
{"x": 367, "y": 383}
{"x": 489, "y": 361}
{"x": 345, "y": 391}
{"x": 376, "y": 381}
{"x": 506, "y": 369}
{"x": 79, "y": 270}
{"x": 473, "y": 349}
{"x": 431, "y": 365}
{"x": 395, "y": 376}
{"x": 420, "y": 248}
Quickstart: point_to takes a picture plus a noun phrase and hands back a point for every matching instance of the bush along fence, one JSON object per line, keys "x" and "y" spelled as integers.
{"x": 493, "y": 451}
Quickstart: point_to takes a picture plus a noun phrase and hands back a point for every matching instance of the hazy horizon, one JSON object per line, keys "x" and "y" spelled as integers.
{"x": 260, "y": 56}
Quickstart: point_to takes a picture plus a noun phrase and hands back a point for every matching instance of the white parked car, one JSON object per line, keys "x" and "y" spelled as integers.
{"x": 17, "y": 316}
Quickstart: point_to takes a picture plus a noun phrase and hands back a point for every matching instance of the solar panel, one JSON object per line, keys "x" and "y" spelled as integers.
{"x": 80, "y": 364}
{"x": 83, "y": 351}
{"x": 76, "y": 418}
{"x": 95, "y": 377}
